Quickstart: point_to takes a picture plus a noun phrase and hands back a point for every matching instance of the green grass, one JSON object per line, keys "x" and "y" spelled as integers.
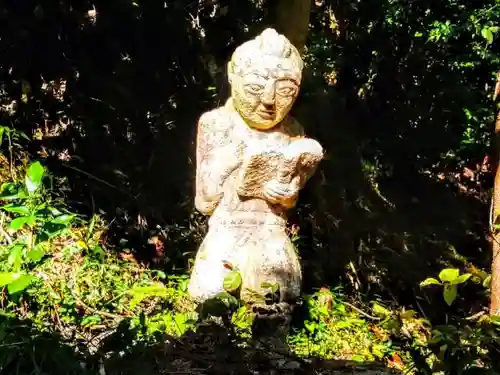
{"x": 71, "y": 305}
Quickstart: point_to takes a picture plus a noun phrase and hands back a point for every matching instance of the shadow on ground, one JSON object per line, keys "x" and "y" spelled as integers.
{"x": 211, "y": 350}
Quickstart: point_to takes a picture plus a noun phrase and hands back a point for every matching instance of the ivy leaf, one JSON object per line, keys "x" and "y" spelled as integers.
{"x": 429, "y": 281}
{"x": 449, "y": 274}
{"x": 449, "y": 293}
{"x": 232, "y": 281}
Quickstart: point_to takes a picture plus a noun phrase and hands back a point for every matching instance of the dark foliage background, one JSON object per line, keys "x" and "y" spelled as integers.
{"x": 398, "y": 92}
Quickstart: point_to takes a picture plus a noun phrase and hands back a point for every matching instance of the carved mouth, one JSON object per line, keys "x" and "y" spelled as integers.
{"x": 266, "y": 115}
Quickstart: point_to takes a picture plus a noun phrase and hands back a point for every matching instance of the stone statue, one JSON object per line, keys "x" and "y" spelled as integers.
{"x": 252, "y": 160}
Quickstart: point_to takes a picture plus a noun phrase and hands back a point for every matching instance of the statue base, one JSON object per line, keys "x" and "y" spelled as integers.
{"x": 271, "y": 326}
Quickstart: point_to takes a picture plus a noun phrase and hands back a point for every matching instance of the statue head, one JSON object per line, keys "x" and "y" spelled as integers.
{"x": 265, "y": 74}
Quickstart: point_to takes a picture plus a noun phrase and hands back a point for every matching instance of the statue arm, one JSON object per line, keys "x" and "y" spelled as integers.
{"x": 278, "y": 176}
{"x": 216, "y": 159}
{"x": 308, "y": 162}
{"x": 300, "y": 163}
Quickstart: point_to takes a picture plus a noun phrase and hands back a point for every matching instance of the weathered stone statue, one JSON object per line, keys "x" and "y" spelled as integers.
{"x": 252, "y": 160}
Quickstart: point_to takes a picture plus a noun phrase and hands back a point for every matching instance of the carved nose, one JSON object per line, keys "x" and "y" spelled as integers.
{"x": 268, "y": 106}
{"x": 267, "y": 97}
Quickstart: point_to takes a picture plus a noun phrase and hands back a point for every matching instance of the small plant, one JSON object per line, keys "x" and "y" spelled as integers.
{"x": 449, "y": 279}
{"x": 35, "y": 222}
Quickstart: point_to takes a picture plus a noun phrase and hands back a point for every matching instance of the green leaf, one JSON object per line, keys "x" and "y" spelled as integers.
{"x": 232, "y": 281}
{"x": 91, "y": 320}
{"x": 139, "y": 293}
{"x": 8, "y": 277}
{"x": 37, "y": 252}
{"x": 212, "y": 306}
{"x": 274, "y": 287}
{"x": 243, "y": 317}
{"x": 30, "y": 220}
{"x": 358, "y": 358}
{"x": 380, "y": 310}
{"x": 487, "y": 281}
{"x": 11, "y": 191}
{"x": 461, "y": 279}
{"x": 429, "y": 281}
{"x": 22, "y": 135}
{"x": 18, "y": 222}
{"x": 54, "y": 211}
{"x": 21, "y": 283}
{"x": 30, "y": 186}
{"x": 34, "y": 176}
{"x": 449, "y": 274}
{"x": 487, "y": 34}
{"x": 379, "y": 350}
{"x": 348, "y": 323}
{"x": 180, "y": 323}
{"x": 310, "y": 326}
{"x": 495, "y": 319}
{"x": 449, "y": 293}
{"x": 64, "y": 219}
{"x": 228, "y": 300}
{"x": 21, "y": 194}
{"x": 17, "y": 209}
{"x": 15, "y": 257}
{"x": 51, "y": 230}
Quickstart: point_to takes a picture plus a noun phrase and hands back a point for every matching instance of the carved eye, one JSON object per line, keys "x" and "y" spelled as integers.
{"x": 286, "y": 91}
{"x": 254, "y": 89}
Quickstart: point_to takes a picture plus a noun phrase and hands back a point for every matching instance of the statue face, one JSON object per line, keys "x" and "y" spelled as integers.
{"x": 264, "y": 92}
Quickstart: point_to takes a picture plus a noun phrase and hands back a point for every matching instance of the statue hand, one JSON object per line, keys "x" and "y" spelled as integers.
{"x": 229, "y": 157}
{"x": 285, "y": 194}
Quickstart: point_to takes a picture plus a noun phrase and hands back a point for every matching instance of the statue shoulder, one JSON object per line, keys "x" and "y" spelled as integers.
{"x": 216, "y": 120}
{"x": 293, "y": 127}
